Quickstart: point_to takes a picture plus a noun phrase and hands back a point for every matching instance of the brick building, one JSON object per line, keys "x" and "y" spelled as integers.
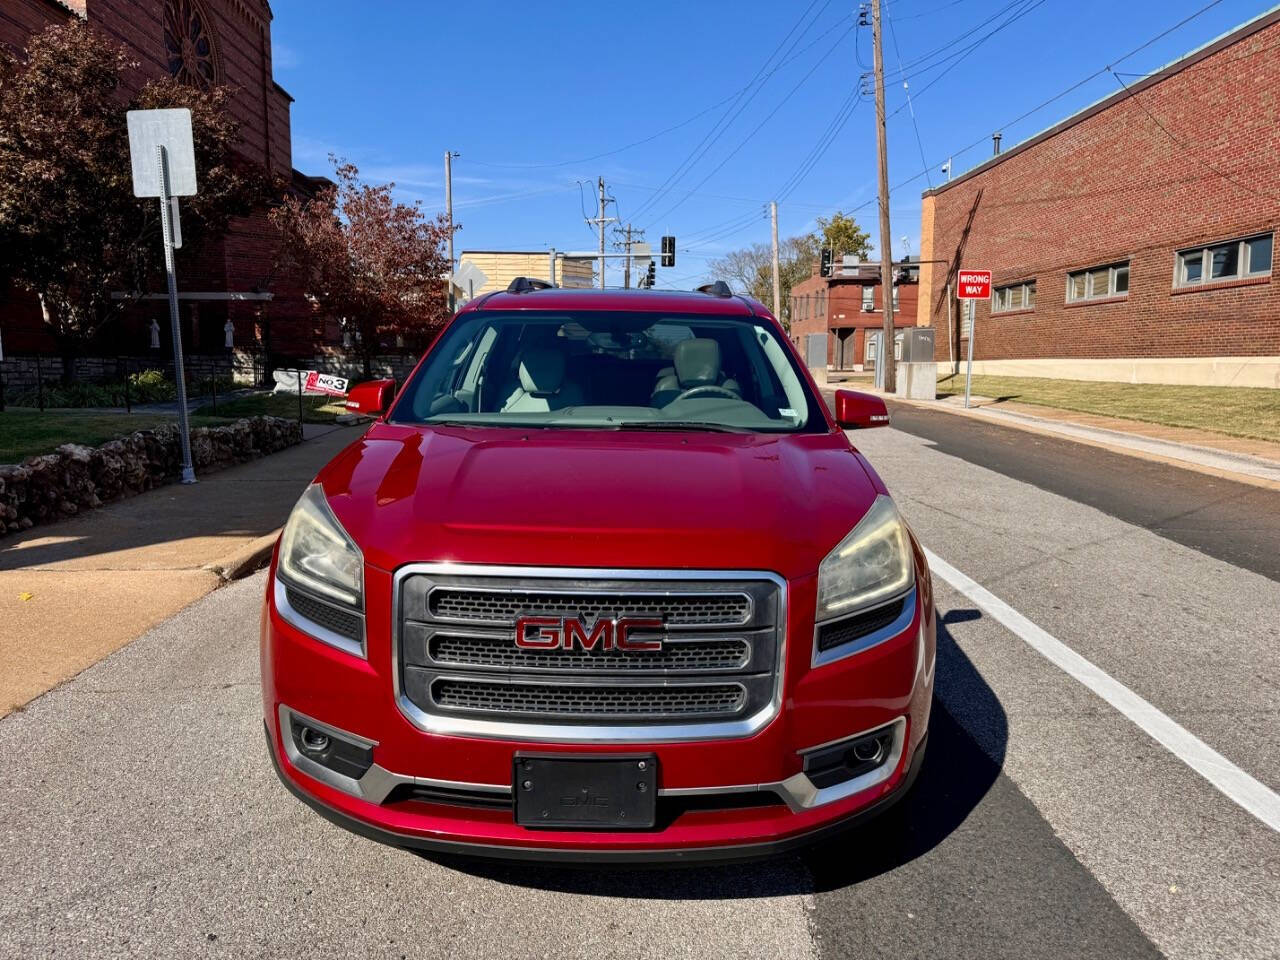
{"x": 848, "y": 309}
{"x": 1131, "y": 241}
{"x": 202, "y": 42}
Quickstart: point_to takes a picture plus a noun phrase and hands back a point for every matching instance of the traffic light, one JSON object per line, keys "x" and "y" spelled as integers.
{"x": 651, "y": 277}
{"x": 826, "y": 261}
{"x": 668, "y": 251}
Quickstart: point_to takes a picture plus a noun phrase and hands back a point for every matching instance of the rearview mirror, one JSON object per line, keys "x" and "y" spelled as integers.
{"x": 857, "y": 411}
{"x": 372, "y": 397}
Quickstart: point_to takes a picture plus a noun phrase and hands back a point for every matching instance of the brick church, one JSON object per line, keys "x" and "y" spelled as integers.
{"x": 202, "y": 42}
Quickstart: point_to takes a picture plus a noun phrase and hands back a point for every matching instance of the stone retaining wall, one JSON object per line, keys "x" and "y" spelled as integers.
{"x": 57, "y": 485}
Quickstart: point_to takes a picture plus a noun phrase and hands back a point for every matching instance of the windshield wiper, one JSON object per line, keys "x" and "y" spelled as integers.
{"x": 695, "y": 425}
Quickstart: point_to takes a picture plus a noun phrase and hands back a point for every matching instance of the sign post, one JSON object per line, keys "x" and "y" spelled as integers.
{"x": 972, "y": 285}
{"x": 162, "y": 155}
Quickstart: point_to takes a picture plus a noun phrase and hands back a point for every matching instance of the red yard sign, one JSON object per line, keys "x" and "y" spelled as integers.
{"x": 973, "y": 285}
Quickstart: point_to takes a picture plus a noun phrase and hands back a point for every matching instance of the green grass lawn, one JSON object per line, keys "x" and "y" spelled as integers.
{"x": 1236, "y": 411}
{"x": 315, "y": 409}
{"x": 25, "y": 433}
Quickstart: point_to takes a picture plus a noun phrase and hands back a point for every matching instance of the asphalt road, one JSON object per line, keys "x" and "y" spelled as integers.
{"x": 1235, "y": 522}
{"x": 141, "y": 816}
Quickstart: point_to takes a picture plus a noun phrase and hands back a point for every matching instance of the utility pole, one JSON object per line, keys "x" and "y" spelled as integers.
{"x": 448, "y": 206}
{"x": 626, "y": 263}
{"x": 888, "y": 381}
{"x": 777, "y": 287}
{"x": 601, "y": 221}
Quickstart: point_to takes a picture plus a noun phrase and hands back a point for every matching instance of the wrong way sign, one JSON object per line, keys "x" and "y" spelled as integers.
{"x": 973, "y": 284}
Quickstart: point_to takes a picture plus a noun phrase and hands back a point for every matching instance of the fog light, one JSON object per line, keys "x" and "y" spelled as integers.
{"x": 852, "y": 758}
{"x": 313, "y": 741}
{"x": 345, "y": 754}
{"x": 869, "y": 751}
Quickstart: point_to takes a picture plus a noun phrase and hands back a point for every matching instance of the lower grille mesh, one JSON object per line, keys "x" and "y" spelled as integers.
{"x": 589, "y": 701}
{"x": 331, "y": 618}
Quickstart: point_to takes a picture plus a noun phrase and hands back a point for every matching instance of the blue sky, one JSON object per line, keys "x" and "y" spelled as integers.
{"x": 540, "y": 99}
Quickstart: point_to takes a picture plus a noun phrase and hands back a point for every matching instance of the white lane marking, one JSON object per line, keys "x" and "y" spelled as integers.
{"x": 1255, "y": 797}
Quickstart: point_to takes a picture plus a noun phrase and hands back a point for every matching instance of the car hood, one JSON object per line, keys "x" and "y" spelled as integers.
{"x": 588, "y": 498}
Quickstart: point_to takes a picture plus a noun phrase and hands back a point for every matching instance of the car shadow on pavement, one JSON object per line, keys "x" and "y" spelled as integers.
{"x": 963, "y": 760}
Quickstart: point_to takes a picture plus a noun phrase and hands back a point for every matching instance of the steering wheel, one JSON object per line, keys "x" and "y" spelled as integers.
{"x": 705, "y": 390}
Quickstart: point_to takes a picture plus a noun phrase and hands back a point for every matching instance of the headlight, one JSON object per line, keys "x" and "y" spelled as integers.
{"x": 872, "y": 563}
{"x": 316, "y": 553}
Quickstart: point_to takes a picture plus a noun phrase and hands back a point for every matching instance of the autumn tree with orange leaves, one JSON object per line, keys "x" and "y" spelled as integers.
{"x": 376, "y": 264}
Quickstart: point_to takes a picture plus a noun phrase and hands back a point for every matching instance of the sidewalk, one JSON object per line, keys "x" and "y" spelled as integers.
{"x": 73, "y": 592}
{"x": 1256, "y": 462}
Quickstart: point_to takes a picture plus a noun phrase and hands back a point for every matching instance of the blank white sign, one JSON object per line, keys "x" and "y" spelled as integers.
{"x": 170, "y": 129}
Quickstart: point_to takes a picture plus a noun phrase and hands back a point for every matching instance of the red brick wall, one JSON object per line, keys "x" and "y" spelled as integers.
{"x": 822, "y": 305}
{"x": 21, "y": 18}
{"x": 243, "y": 259}
{"x": 1116, "y": 187}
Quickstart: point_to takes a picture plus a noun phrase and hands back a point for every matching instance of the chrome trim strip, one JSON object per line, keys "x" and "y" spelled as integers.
{"x": 377, "y": 782}
{"x": 798, "y": 791}
{"x": 585, "y": 733}
{"x": 314, "y": 630}
{"x": 873, "y": 639}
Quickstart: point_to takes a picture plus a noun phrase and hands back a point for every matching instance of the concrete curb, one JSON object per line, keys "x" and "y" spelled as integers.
{"x": 245, "y": 560}
{"x": 1241, "y": 468}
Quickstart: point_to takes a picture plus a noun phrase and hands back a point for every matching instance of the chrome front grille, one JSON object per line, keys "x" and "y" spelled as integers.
{"x": 717, "y": 672}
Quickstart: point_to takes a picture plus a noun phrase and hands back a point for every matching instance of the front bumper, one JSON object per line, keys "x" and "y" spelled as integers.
{"x": 721, "y": 799}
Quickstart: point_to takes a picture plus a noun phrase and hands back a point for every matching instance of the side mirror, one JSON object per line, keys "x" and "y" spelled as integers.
{"x": 857, "y": 411}
{"x": 371, "y": 398}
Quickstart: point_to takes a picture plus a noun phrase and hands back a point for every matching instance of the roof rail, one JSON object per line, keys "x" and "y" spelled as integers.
{"x": 717, "y": 288}
{"x": 528, "y": 284}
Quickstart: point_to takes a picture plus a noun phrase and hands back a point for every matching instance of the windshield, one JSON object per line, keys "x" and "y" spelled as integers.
{"x": 611, "y": 370}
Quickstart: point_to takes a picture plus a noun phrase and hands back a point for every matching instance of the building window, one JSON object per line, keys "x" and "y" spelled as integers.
{"x": 1098, "y": 282}
{"x": 868, "y": 299}
{"x": 189, "y": 43}
{"x": 1015, "y": 296}
{"x": 1233, "y": 260}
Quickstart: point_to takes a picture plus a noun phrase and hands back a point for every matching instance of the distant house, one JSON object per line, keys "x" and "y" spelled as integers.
{"x": 848, "y": 309}
{"x": 500, "y": 267}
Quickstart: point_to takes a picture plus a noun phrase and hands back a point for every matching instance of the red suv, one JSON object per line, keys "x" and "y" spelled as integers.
{"x": 605, "y": 581}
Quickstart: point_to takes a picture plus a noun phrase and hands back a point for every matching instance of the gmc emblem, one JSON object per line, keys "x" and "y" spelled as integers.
{"x": 564, "y": 633}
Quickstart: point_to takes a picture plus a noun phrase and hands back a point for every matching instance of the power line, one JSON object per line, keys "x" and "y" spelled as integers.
{"x": 727, "y": 118}
{"x": 893, "y": 35}
{"x": 1132, "y": 95}
{"x": 957, "y": 57}
{"x": 1058, "y": 96}
{"x": 661, "y": 133}
{"x": 769, "y": 116}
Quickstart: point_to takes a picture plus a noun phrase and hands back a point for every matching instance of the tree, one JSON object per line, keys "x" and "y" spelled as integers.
{"x": 71, "y": 230}
{"x": 843, "y": 236}
{"x": 750, "y": 270}
{"x": 377, "y": 264}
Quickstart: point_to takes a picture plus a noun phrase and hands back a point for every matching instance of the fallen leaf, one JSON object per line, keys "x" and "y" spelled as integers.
{"x": 24, "y": 596}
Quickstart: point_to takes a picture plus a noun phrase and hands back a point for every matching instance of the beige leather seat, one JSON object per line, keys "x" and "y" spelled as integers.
{"x": 541, "y": 385}
{"x": 696, "y": 363}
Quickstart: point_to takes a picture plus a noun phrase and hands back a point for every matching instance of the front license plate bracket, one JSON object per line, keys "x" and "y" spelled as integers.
{"x": 584, "y": 792}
